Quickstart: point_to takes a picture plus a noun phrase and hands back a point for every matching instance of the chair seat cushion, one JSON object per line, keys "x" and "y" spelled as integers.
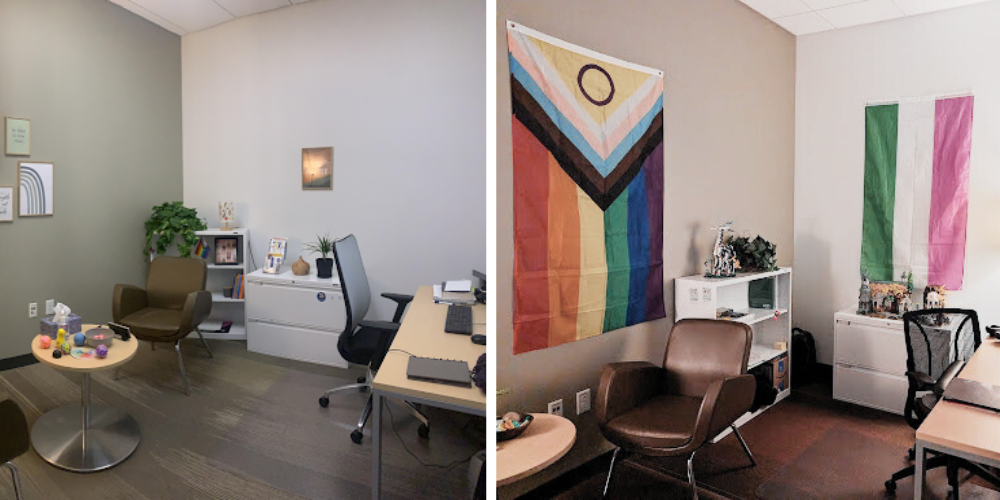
{"x": 662, "y": 422}
{"x": 360, "y": 347}
{"x": 151, "y": 323}
{"x": 925, "y": 404}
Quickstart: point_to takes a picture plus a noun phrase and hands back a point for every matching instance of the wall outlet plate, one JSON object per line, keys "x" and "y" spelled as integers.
{"x": 50, "y": 306}
{"x": 583, "y": 401}
{"x": 555, "y": 408}
{"x": 33, "y": 310}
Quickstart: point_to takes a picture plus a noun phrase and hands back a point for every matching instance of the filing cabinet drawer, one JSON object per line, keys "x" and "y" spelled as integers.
{"x": 869, "y": 388}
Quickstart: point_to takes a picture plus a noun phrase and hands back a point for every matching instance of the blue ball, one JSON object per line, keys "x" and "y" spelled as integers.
{"x": 79, "y": 339}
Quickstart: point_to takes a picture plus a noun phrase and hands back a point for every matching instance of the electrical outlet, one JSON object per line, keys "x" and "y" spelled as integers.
{"x": 50, "y": 306}
{"x": 33, "y": 310}
{"x": 555, "y": 407}
{"x": 583, "y": 401}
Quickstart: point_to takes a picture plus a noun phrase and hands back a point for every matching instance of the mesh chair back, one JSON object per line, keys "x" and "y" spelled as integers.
{"x": 937, "y": 337}
{"x": 14, "y": 436}
{"x": 353, "y": 281}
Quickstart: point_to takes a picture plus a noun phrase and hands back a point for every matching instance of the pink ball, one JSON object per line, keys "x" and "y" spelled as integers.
{"x": 46, "y": 342}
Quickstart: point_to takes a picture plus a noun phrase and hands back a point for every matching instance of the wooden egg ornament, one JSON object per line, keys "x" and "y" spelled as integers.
{"x": 101, "y": 352}
{"x": 79, "y": 339}
{"x": 45, "y": 342}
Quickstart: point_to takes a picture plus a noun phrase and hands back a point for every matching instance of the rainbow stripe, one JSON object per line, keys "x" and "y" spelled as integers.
{"x": 588, "y": 192}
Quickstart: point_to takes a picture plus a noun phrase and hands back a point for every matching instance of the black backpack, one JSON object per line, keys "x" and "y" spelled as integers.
{"x": 803, "y": 357}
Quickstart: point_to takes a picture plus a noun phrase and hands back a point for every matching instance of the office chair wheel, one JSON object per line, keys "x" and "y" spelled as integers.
{"x": 361, "y": 380}
{"x": 890, "y": 486}
{"x": 423, "y": 431}
{"x": 356, "y": 436}
{"x": 324, "y": 401}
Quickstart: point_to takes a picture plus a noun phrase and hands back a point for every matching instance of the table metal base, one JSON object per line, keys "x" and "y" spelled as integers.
{"x": 85, "y": 438}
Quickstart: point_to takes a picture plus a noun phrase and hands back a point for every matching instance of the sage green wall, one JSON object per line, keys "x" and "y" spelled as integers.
{"x": 102, "y": 88}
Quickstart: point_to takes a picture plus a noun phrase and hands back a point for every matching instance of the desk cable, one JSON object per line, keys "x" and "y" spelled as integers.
{"x": 447, "y": 466}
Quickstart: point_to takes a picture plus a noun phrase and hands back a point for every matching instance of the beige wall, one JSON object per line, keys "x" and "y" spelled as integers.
{"x": 102, "y": 88}
{"x": 729, "y": 111}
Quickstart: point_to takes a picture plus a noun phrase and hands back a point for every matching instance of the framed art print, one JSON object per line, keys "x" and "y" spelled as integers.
{"x": 17, "y": 136}
{"x": 6, "y": 204}
{"x": 225, "y": 251}
{"x": 317, "y": 168}
{"x": 35, "y": 196}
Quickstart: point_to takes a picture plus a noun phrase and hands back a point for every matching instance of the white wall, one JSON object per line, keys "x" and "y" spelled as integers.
{"x": 837, "y": 72}
{"x": 396, "y": 87}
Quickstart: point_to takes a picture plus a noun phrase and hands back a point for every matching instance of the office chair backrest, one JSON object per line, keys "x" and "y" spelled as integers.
{"x": 937, "y": 337}
{"x": 353, "y": 280}
{"x": 14, "y": 436}
{"x": 701, "y": 351}
{"x": 171, "y": 279}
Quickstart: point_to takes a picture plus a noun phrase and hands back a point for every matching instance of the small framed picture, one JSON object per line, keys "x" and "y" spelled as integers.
{"x": 317, "y": 168}
{"x": 6, "y": 204}
{"x": 225, "y": 251}
{"x": 17, "y": 136}
{"x": 35, "y": 197}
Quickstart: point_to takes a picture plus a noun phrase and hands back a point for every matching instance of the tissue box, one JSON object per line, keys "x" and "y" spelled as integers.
{"x": 50, "y": 328}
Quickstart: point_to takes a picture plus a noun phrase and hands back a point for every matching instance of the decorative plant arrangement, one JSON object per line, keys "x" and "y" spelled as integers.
{"x": 170, "y": 221}
{"x": 754, "y": 255}
{"x": 323, "y": 246}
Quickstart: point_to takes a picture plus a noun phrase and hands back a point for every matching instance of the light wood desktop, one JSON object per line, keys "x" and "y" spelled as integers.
{"x": 422, "y": 334}
{"x": 959, "y": 429}
{"x": 545, "y": 441}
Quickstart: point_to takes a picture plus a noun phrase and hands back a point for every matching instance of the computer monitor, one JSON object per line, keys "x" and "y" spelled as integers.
{"x": 482, "y": 279}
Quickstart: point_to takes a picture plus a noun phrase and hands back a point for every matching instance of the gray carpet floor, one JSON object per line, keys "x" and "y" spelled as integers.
{"x": 251, "y": 429}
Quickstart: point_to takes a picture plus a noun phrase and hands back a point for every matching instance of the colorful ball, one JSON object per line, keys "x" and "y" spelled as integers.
{"x": 45, "y": 342}
{"x": 79, "y": 339}
{"x": 66, "y": 348}
{"x": 101, "y": 351}
{"x": 57, "y": 354}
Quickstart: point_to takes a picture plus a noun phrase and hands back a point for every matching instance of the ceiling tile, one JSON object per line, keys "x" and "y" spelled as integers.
{"x": 803, "y": 24}
{"x": 191, "y": 15}
{"x": 240, "y": 8}
{"x": 149, "y": 16}
{"x": 826, "y": 4}
{"x": 913, "y": 7}
{"x": 777, "y": 8}
{"x": 869, "y": 11}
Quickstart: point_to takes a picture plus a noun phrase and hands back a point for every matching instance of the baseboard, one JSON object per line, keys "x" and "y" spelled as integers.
{"x": 17, "y": 362}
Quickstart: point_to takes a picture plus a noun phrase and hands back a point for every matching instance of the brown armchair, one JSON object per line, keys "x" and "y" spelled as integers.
{"x": 173, "y": 304}
{"x": 674, "y": 409}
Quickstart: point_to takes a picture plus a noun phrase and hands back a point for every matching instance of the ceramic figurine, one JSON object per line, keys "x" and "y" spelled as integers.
{"x": 300, "y": 267}
{"x": 865, "y": 295}
{"x": 45, "y": 342}
{"x": 723, "y": 263}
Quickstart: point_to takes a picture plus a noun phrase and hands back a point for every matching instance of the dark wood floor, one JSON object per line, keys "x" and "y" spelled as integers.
{"x": 251, "y": 429}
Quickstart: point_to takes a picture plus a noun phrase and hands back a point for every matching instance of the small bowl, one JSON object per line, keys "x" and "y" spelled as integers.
{"x": 100, "y": 336}
{"x": 513, "y": 433}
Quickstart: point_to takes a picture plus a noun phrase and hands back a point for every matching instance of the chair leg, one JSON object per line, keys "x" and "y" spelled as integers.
{"x": 180, "y": 362}
{"x": 344, "y": 388}
{"x": 365, "y": 414}
{"x": 16, "y": 478}
{"x": 694, "y": 486}
{"x": 118, "y": 373}
{"x": 607, "y": 482}
{"x": 746, "y": 449}
{"x": 204, "y": 343}
{"x": 952, "y": 472}
{"x": 417, "y": 413}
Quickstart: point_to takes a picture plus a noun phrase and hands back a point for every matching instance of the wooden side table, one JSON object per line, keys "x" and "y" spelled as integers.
{"x": 543, "y": 443}
{"x": 85, "y": 438}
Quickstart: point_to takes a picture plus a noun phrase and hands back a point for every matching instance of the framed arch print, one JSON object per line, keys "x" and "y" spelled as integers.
{"x": 34, "y": 196}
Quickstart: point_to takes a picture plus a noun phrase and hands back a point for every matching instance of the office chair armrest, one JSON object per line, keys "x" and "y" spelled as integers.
{"x": 725, "y": 401}
{"x": 401, "y": 302}
{"x": 949, "y": 373}
{"x": 625, "y": 386}
{"x": 379, "y": 325}
{"x": 920, "y": 380}
{"x": 197, "y": 307}
{"x": 127, "y": 300}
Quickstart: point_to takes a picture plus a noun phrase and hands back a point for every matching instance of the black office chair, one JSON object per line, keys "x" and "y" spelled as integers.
{"x": 365, "y": 342}
{"x": 938, "y": 344}
{"x": 14, "y": 439}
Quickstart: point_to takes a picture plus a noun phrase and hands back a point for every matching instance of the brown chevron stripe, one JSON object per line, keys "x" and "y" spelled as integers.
{"x": 602, "y": 190}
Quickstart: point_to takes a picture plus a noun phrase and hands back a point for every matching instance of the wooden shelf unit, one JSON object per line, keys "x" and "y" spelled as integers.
{"x": 222, "y": 275}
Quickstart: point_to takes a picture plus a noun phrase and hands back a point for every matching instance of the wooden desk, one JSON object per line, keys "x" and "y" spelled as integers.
{"x": 547, "y": 439}
{"x": 422, "y": 334}
{"x": 959, "y": 429}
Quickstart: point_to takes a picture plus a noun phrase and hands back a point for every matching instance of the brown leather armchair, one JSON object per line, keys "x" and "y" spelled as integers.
{"x": 674, "y": 409}
{"x": 173, "y": 304}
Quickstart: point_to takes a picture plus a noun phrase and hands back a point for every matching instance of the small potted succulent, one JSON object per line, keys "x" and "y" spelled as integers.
{"x": 323, "y": 246}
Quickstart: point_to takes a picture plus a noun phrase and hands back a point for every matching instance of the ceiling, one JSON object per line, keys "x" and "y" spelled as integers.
{"x": 187, "y": 16}
{"x": 801, "y": 17}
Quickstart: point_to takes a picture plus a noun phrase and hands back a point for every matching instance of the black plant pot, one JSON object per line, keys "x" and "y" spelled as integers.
{"x": 324, "y": 268}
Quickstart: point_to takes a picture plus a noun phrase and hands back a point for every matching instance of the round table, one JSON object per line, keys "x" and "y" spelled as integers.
{"x": 547, "y": 439}
{"x": 89, "y": 437}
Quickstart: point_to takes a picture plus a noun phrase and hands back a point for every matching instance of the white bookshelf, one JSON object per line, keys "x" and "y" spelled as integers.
{"x": 701, "y": 297}
{"x": 223, "y": 275}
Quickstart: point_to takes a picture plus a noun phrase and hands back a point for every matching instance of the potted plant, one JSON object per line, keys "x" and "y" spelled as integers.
{"x": 756, "y": 255}
{"x": 170, "y": 221}
{"x": 323, "y": 246}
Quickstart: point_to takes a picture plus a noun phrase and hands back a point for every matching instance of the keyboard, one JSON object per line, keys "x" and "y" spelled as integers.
{"x": 459, "y": 320}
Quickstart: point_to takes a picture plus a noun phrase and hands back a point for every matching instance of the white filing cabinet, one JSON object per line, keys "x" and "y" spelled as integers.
{"x": 295, "y": 317}
{"x": 869, "y": 356}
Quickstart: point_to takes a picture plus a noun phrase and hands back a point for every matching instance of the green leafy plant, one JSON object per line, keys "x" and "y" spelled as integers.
{"x": 757, "y": 254}
{"x": 169, "y": 221}
{"x": 323, "y": 245}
